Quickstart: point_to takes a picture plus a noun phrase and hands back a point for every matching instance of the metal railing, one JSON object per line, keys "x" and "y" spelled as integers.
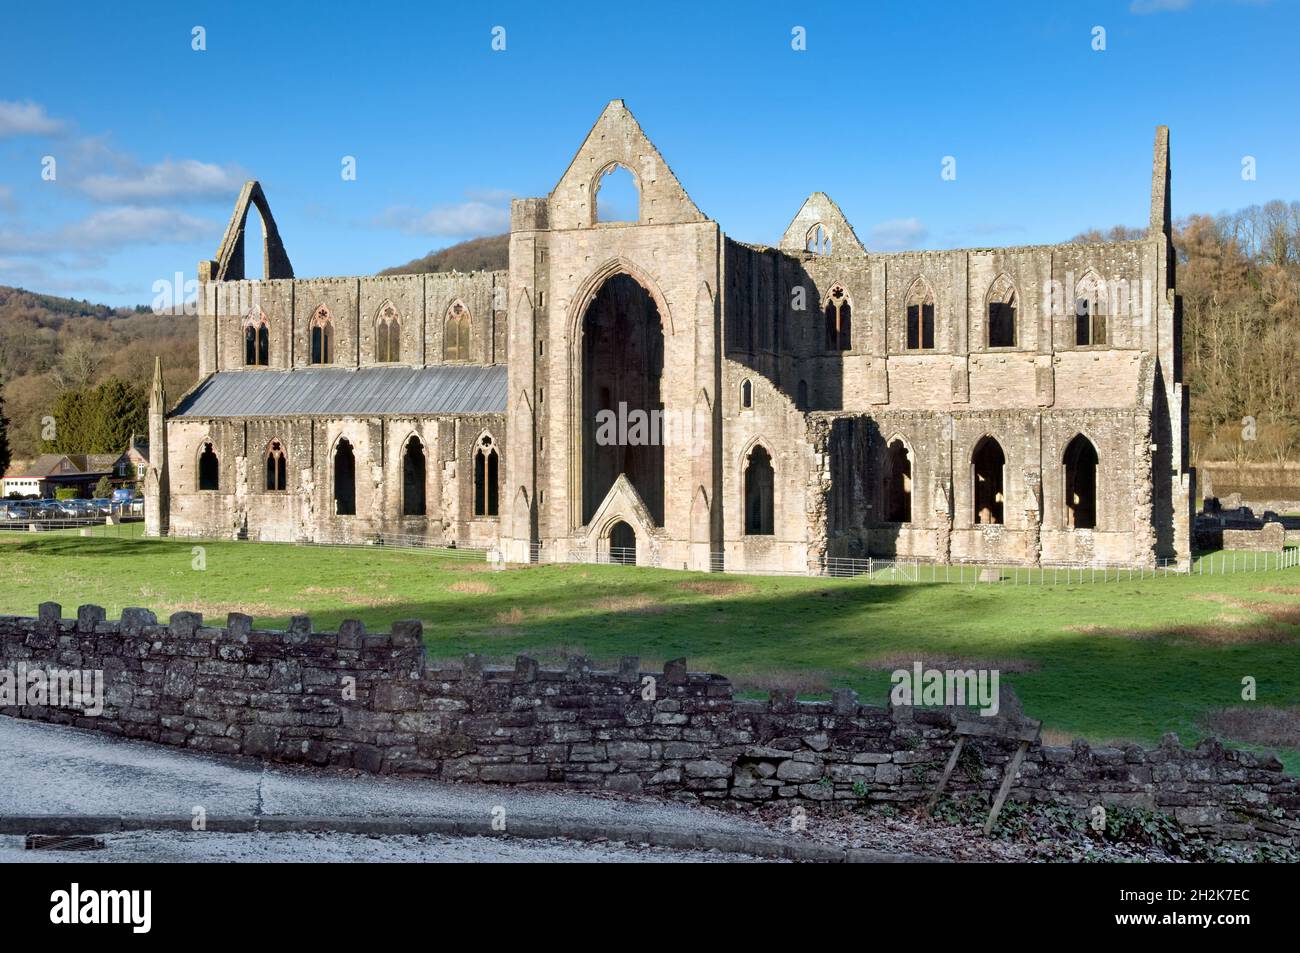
{"x": 403, "y": 541}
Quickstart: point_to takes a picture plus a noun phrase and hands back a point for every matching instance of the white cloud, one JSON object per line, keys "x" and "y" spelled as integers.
{"x": 27, "y": 119}
{"x": 466, "y": 220}
{"x": 898, "y": 234}
{"x": 171, "y": 178}
{"x": 117, "y": 226}
{"x": 109, "y": 230}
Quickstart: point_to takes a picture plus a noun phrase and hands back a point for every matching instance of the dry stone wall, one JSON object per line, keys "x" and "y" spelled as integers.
{"x": 374, "y": 702}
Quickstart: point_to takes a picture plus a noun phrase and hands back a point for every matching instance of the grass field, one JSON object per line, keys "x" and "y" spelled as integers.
{"x": 1113, "y": 661}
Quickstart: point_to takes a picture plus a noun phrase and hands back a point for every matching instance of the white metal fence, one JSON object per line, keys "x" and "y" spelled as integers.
{"x": 872, "y": 570}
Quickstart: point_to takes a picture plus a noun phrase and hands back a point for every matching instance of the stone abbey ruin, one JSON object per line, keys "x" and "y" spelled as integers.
{"x": 1016, "y": 406}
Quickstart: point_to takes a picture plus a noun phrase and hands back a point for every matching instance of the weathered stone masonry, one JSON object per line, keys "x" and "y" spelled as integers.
{"x": 281, "y": 696}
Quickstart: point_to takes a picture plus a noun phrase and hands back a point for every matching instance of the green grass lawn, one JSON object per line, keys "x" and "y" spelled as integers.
{"x": 1119, "y": 660}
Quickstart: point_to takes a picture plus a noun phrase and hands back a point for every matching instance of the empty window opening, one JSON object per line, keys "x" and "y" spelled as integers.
{"x": 322, "y": 337}
{"x": 455, "y": 333}
{"x": 1081, "y": 484}
{"x": 388, "y": 335}
{"x": 746, "y": 395}
{"x": 622, "y": 378}
{"x": 898, "y": 483}
{"x": 617, "y": 197}
{"x": 254, "y": 244}
{"x": 839, "y": 320}
{"x": 622, "y": 544}
{"x": 987, "y": 466}
{"x": 1002, "y": 313}
{"x": 1089, "y": 313}
{"x": 413, "y": 478}
{"x": 801, "y": 395}
{"x": 257, "y": 341}
{"x": 760, "y": 481}
{"x": 209, "y": 468}
{"x": 920, "y": 317}
{"x": 276, "y": 471}
{"x": 819, "y": 240}
{"x": 485, "y": 478}
{"x": 345, "y": 479}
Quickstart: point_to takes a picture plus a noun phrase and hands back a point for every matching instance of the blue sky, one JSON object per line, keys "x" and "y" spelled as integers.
{"x": 152, "y": 139}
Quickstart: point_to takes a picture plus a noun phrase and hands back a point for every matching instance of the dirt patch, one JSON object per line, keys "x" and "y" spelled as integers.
{"x": 897, "y": 660}
{"x": 513, "y": 616}
{"x": 1266, "y": 725}
{"x": 216, "y": 610}
{"x": 1278, "y": 624}
{"x": 1055, "y": 737}
{"x": 718, "y": 588}
{"x": 471, "y": 587}
{"x": 802, "y": 683}
{"x": 637, "y": 603}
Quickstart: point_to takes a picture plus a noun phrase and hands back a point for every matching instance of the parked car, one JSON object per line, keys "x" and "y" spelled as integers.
{"x": 15, "y": 510}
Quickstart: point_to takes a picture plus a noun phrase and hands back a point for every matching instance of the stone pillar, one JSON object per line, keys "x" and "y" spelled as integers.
{"x": 157, "y": 493}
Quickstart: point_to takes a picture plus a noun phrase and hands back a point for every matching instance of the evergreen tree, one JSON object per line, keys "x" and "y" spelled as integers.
{"x": 98, "y": 419}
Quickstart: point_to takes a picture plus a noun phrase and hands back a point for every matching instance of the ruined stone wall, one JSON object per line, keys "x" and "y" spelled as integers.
{"x": 372, "y": 701}
{"x": 421, "y": 303}
{"x": 304, "y": 510}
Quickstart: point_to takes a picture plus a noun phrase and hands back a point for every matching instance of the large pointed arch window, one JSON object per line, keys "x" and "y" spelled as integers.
{"x": 322, "y": 337}
{"x": 388, "y": 335}
{"x": 839, "y": 320}
{"x": 486, "y": 477}
{"x": 920, "y": 316}
{"x": 276, "y": 470}
{"x": 455, "y": 333}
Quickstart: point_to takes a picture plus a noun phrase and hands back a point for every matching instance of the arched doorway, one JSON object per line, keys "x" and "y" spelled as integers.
{"x": 345, "y": 479}
{"x": 1080, "y": 462}
{"x": 622, "y": 405}
{"x": 622, "y": 544}
{"x": 413, "y": 478}
{"x": 898, "y": 482}
{"x": 760, "y": 484}
{"x": 987, "y": 464}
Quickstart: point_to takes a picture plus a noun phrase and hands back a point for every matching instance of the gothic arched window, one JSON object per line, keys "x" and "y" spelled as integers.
{"x": 1001, "y": 309}
{"x": 388, "y": 335}
{"x": 839, "y": 320}
{"x": 276, "y": 471}
{"x": 257, "y": 340}
{"x": 485, "y": 477}
{"x": 322, "y": 337}
{"x": 920, "y": 316}
{"x": 455, "y": 333}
